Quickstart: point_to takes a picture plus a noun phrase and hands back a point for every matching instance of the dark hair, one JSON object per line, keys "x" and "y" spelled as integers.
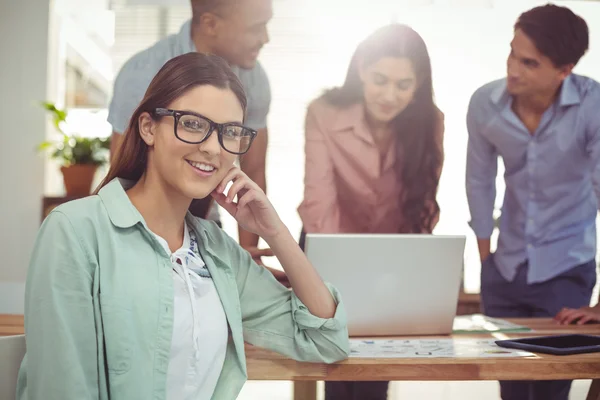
{"x": 175, "y": 78}
{"x": 557, "y": 32}
{"x": 419, "y": 154}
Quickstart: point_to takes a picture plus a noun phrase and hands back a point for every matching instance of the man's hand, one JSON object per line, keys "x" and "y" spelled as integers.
{"x": 256, "y": 255}
{"x": 484, "y": 246}
{"x": 579, "y": 316}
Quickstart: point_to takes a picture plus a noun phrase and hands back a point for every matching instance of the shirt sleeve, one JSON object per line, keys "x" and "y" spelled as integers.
{"x": 593, "y": 137}
{"x": 274, "y": 318}
{"x": 130, "y": 86}
{"x": 259, "y": 99}
{"x": 482, "y": 168}
{"x": 62, "y": 355}
{"x": 319, "y": 210}
{"x": 440, "y": 128}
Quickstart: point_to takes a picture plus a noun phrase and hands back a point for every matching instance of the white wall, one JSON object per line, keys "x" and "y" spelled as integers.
{"x": 23, "y": 82}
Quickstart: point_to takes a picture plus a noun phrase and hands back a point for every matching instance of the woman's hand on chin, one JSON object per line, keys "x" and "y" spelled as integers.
{"x": 253, "y": 211}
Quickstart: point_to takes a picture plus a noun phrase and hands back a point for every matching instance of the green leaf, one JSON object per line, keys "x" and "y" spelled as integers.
{"x": 45, "y": 146}
{"x": 74, "y": 149}
{"x": 58, "y": 116}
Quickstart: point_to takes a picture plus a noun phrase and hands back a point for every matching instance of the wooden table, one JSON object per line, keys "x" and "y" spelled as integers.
{"x": 468, "y": 304}
{"x": 11, "y": 324}
{"x": 265, "y": 365}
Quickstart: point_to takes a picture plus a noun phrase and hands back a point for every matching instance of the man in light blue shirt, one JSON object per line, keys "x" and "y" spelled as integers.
{"x": 544, "y": 122}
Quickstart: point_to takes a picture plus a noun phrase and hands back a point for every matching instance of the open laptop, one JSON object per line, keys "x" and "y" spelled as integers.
{"x": 392, "y": 284}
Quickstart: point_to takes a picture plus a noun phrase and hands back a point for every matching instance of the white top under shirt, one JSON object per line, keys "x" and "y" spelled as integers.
{"x": 199, "y": 340}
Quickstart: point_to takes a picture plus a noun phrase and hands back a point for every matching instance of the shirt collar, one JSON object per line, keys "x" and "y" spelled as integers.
{"x": 352, "y": 119}
{"x": 121, "y": 211}
{"x": 123, "y": 214}
{"x": 349, "y": 117}
{"x": 569, "y": 94}
{"x": 202, "y": 232}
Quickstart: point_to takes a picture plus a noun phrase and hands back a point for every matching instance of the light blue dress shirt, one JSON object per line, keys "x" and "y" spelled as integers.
{"x": 552, "y": 178}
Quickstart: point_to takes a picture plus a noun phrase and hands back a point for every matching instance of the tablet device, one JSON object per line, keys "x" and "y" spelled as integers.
{"x": 557, "y": 345}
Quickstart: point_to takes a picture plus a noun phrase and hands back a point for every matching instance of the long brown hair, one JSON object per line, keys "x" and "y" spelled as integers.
{"x": 174, "y": 79}
{"x": 419, "y": 153}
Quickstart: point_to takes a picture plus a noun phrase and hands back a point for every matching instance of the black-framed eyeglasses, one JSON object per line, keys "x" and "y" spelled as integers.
{"x": 193, "y": 128}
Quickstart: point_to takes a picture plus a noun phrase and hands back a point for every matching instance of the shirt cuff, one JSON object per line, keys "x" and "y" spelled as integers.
{"x": 483, "y": 228}
{"x": 306, "y": 320}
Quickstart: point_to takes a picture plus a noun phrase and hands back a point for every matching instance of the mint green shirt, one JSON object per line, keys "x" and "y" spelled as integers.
{"x": 99, "y": 306}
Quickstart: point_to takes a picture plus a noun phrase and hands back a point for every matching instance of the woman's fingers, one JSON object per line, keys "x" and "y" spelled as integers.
{"x": 241, "y": 182}
{"x": 231, "y": 175}
{"x": 221, "y": 200}
{"x": 238, "y": 187}
{"x": 246, "y": 198}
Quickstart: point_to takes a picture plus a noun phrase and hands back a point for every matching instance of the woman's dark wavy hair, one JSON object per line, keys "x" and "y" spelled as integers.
{"x": 420, "y": 156}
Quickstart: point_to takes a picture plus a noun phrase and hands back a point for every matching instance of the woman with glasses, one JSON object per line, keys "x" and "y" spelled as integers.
{"x": 131, "y": 297}
{"x": 374, "y": 153}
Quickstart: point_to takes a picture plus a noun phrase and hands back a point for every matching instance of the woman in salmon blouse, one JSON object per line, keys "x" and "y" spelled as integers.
{"x": 374, "y": 153}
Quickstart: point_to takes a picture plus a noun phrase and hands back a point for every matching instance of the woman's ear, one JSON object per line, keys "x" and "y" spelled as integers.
{"x": 146, "y": 124}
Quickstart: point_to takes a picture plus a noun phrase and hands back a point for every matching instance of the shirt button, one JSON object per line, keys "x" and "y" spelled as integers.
{"x": 529, "y": 246}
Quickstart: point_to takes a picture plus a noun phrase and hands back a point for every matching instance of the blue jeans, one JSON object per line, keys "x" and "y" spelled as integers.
{"x": 503, "y": 299}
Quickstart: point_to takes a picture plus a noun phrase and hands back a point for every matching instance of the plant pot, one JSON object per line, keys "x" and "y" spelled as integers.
{"x": 78, "y": 179}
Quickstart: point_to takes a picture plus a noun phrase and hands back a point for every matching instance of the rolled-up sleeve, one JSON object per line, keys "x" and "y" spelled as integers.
{"x": 482, "y": 168}
{"x": 319, "y": 210}
{"x": 304, "y": 318}
{"x": 274, "y": 318}
{"x": 593, "y": 138}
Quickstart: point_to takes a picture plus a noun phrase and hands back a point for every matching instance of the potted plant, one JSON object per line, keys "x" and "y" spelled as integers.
{"x": 80, "y": 156}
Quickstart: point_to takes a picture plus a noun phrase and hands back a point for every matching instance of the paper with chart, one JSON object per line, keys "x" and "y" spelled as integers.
{"x": 431, "y": 348}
